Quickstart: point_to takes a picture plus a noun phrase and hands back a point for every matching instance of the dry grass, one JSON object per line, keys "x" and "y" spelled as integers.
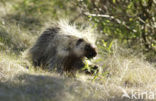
{"x": 125, "y": 74}
{"x": 123, "y": 71}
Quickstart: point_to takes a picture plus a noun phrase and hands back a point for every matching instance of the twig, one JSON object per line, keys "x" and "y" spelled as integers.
{"x": 111, "y": 18}
{"x": 99, "y": 15}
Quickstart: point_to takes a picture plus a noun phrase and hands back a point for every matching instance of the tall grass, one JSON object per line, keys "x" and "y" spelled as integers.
{"x": 122, "y": 70}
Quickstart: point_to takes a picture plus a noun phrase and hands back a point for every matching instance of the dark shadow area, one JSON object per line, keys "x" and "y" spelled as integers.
{"x": 32, "y": 88}
{"x": 28, "y": 87}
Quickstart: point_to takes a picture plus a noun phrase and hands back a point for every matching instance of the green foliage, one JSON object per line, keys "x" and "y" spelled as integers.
{"x": 128, "y": 21}
{"x": 105, "y": 48}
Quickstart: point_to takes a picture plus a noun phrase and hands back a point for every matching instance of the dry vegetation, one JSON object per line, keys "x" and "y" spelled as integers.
{"x": 123, "y": 71}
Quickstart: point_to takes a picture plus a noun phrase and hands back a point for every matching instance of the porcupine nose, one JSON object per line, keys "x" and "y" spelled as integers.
{"x": 90, "y": 51}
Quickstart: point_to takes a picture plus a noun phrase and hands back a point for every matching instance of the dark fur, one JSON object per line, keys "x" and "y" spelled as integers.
{"x": 45, "y": 52}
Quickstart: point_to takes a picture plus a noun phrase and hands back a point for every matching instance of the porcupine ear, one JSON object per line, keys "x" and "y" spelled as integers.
{"x": 79, "y": 41}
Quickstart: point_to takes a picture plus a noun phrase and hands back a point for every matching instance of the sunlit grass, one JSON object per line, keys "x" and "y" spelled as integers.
{"x": 122, "y": 70}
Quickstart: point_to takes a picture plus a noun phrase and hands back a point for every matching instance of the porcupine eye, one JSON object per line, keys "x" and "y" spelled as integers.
{"x": 79, "y": 42}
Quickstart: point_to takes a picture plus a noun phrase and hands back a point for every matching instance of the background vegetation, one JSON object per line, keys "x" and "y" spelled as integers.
{"x": 126, "y": 43}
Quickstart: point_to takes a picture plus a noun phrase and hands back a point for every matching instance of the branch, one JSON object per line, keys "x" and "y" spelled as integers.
{"x": 99, "y": 15}
{"x": 111, "y": 18}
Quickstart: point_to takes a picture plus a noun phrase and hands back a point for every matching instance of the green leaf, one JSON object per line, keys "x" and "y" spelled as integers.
{"x": 114, "y": 1}
{"x": 110, "y": 46}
